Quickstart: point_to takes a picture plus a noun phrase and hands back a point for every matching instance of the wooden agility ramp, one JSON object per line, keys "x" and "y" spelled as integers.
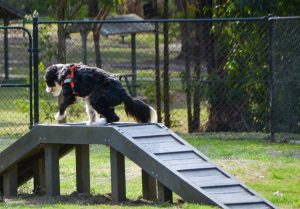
{"x": 169, "y": 164}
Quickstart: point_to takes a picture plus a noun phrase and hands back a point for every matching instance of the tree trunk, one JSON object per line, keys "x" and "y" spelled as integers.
{"x": 97, "y": 14}
{"x": 166, "y": 87}
{"x": 135, "y": 7}
{"x": 185, "y": 52}
{"x": 96, "y": 37}
{"x": 203, "y": 55}
{"x": 157, "y": 67}
{"x": 61, "y": 36}
{"x": 221, "y": 116}
{"x": 93, "y": 11}
{"x": 61, "y": 32}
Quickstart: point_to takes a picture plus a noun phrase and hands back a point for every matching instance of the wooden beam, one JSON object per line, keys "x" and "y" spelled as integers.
{"x": 83, "y": 168}
{"x": 118, "y": 184}
{"x": 52, "y": 170}
{"x": 10, "y": 181}
{"x": 164, "y": 194}
{"x": 149, "y": 186}
{"x": 39, "y": 175}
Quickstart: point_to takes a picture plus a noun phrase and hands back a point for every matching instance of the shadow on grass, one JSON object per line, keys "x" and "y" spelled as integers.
{"x": 84, "y": 199}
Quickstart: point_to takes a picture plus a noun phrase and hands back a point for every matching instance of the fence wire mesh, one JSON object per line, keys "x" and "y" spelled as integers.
{"x": 14, "y": 84}
{"x": 286, "y": 75}
{"x": 201, "y": 76}
{"x": 217, "y": 72}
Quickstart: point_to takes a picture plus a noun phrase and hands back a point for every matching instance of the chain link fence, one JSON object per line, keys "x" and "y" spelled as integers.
{"x": 213, "y": 75}
{"x": 15, "y": 84}
{"x": 286, "y": 75}
{"x": 223, "y": 76}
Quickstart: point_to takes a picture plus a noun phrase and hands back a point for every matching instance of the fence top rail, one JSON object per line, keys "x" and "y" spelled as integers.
{"x": 18, "y": 28}
{"x": 250, "y": 19}
{"x": 285, "y": 18}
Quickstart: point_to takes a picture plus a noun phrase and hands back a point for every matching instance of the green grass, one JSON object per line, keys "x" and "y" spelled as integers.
{"x": 266, "y": 167}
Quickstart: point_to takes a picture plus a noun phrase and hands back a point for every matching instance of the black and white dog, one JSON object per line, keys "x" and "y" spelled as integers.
{"x": 101, "y": 91}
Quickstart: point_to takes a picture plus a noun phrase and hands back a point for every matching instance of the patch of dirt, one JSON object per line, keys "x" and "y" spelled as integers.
{"x": 82, "y": 199}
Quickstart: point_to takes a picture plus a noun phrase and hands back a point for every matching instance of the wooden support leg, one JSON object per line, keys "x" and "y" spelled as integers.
{"x": 164, "y": 194}
{"x": 118, "y": 184}
{"x": 149, "y": 186}
{"x": 52, "y": 170}
{"x": 10, "y": 182}
{"x": 83, "y": 168}
{"x": 39, "y": 176}
{"x": 1, "y": 186}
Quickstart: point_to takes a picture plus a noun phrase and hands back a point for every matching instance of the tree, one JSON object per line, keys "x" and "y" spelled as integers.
{"x": 202, "y": 54}
{"x": 166, "y": 87}
{"x": 63, "y": 32}
{"x": 134, "y": 6}
{"x": 98, "y": 14}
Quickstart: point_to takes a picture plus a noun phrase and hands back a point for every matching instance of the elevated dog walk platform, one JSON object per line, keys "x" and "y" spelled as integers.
{"x": 169, "y": 164}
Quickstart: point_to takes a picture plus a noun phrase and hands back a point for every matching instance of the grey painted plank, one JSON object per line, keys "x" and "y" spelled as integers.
{"x": 213, "y": 181}
{"x": 162, "y": 145}
{"x": 200, "y": 180}
{"x": 164, "y": 194}
{"x": 52, "y": 180}
{"x": 178, "y": 155}
{"x": 39, "y": 176}
{"x": 185, "y": 161}
{"x": 194, "y": 173}
{"x": 224, "y": 189}
{"x": 157, "y": 150}
{"x": 242, "y": 197}
{"x": 250, "y": 206}
{"x": 146, "y": 133}
{"x": 10, "y": 182}
{"x": 156, "y": 139}
{"x": 149, "y": 186}
{"x": 143, "y": 130}
{"x": 203, "y": 165}
{"x": 74, "y": 134}
{"x": 18, "y": 149}
{"x": 82, "y": 168}
{"x": 118, "y": 183}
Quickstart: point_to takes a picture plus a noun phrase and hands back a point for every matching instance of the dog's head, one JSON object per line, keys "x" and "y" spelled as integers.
{"x": 52, "y": 79}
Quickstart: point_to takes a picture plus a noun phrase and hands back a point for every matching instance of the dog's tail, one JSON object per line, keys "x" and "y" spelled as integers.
{"x": 140, "y": 111}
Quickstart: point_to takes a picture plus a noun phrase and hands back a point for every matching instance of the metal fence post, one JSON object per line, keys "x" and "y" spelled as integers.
{"x": 6, "y": 54}
{"x": 271, "y": 78}
{"x": 35, "y": 51}
{"x": 133, "y": 64}
{"x": 157, "y": 74}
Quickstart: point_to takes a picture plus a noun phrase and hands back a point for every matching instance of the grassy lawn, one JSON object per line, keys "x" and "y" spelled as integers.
{"x": 268, "y": 168}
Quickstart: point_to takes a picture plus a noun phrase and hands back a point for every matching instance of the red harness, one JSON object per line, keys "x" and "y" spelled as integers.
{"x": 70, "y": 79}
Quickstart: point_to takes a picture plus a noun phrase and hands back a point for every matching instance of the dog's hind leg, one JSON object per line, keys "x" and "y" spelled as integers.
{"x": 91, "y": 113}
{"x": 108, "y": 113}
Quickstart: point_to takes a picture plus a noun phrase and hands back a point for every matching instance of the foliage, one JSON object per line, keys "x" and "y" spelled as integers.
{"x": 245, "y": 75}
{"x": 46, "y": 104}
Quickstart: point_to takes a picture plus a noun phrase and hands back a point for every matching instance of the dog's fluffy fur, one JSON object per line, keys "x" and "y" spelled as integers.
{"x": 101, "y": 91}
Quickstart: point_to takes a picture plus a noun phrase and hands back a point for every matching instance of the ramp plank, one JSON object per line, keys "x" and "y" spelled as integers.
{"x": 178, "y": 155}
{"x": 250, "y": 206}
{"x": 238, "y": 197}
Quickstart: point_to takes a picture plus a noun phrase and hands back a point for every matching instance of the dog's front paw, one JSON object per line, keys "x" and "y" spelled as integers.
{"x": 100, "y": 122}
{"x": 89, "y": 122}
{"x": 58, "y": 116}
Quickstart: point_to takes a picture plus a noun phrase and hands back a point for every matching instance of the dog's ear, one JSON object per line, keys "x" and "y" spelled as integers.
{"x": 52, "y": 73}
{"x": 63, "y": 72}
